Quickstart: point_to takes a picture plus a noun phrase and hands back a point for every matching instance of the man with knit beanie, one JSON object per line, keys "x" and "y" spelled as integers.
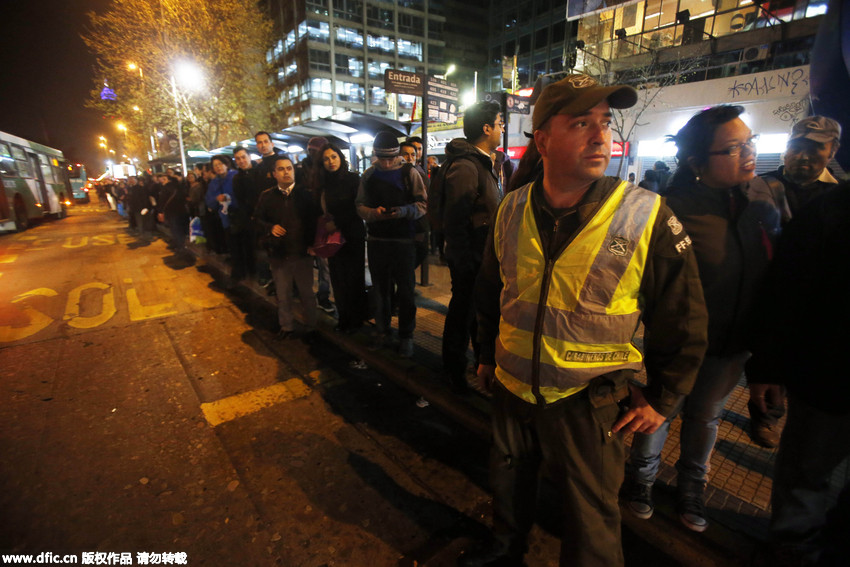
{"x": 390, "y": 199}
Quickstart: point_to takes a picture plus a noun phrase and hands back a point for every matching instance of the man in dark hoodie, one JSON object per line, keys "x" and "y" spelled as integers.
{"x": 470, "y": 197}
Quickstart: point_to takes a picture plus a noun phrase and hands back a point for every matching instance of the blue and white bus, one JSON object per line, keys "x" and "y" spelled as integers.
{"x": 35, "y": 182}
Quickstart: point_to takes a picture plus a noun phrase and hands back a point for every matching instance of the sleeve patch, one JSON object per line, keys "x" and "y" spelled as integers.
{"x": 675, "y": 226}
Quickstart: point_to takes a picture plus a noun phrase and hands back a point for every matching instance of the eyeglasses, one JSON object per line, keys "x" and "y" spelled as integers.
{"x": 735, "y": 150}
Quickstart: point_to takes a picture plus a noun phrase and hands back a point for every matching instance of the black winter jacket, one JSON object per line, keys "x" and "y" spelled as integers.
{"x": 733, "y": 232}
{"x": 469, "y": 200}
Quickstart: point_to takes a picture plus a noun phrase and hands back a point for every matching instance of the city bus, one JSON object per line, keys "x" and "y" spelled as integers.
{"x": 35, "y": 182}
{"x": 80, "y": 184}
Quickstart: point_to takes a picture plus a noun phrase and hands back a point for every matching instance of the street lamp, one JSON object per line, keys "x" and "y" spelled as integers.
{"x": 133, "y": 67}
{"x": 192, "y": 78}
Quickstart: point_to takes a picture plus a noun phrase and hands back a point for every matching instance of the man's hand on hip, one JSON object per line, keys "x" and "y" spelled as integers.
{"x": 641, "y": 417}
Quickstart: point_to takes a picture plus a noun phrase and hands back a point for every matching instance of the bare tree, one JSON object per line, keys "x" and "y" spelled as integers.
{"x": 650, "y": 81}
{"x": 138, "y": 43}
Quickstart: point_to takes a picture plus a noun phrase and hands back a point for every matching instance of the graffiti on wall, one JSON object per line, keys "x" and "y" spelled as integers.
{"x": 786, "y": 82}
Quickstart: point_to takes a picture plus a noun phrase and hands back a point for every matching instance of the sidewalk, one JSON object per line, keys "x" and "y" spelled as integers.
{"x": 738, "y": 494}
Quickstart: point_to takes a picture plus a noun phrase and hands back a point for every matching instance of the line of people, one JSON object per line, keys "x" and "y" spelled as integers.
{"x": 553, "y": 269}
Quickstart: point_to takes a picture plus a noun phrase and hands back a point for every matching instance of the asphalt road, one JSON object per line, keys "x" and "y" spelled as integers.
{"x": 146, "y": 411}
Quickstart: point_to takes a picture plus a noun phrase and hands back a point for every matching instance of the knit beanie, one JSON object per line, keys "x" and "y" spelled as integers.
{"x": 385, "y": 145}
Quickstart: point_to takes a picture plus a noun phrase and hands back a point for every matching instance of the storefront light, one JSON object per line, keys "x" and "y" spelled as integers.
{"x": 656, "y": 148}
{"x": 772, "y": 143}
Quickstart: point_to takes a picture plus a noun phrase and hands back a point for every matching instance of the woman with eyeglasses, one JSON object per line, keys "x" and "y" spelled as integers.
{"x": 732, "y": 222}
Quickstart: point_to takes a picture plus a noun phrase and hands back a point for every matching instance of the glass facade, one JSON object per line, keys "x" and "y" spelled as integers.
{"x": 525, "y": 30}
{"x": 333, "y": 53}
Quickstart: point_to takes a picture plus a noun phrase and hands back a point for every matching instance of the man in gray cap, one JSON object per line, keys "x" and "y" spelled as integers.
{"x": 813, "y": 143}
{"x": 803, "y": 177}
{"x": 574, "y": 262}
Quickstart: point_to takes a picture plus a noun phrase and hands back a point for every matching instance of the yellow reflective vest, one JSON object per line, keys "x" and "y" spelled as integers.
{"x": 567, "y": 320}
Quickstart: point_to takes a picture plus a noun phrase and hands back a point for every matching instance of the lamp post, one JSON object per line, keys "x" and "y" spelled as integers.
{"x": 190, "y": 76}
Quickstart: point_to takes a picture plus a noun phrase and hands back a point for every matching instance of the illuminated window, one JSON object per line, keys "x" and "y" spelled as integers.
{"x": 349, "y": 37}
{"x": 377, "y": 96}
{"x": 380, "y": 43}
{"x": 377, "y": 68}
{"x": 320, "y": 111}
{"x": 318, "y": 31}
{"x": 318, "y": 6}
{"x": 410, "y": 49}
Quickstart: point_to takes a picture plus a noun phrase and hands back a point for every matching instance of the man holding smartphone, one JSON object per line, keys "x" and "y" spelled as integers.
{"x": 390, "y": 199}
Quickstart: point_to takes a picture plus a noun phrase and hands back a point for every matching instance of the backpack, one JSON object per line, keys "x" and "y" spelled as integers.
{"x": 437, "y": 194}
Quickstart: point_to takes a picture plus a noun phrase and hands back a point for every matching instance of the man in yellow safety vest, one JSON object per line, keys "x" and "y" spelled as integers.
{"x": 575, "y": 262}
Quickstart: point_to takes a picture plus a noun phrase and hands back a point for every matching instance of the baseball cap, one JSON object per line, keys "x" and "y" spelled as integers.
{"x": 578, "y": 93}
{"x": 817, "y": 128}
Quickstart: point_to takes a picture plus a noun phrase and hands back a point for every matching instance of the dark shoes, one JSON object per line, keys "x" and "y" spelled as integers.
{"x": 764, "y": 433}
{"x": 639, "y": 500}
{"x": 285, "y": 335}
{"x": 691, "y": 506}
{"x": 325, "y": 305}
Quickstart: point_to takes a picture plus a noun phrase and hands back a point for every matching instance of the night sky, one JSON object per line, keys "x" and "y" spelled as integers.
{"x": 46, "y": 77}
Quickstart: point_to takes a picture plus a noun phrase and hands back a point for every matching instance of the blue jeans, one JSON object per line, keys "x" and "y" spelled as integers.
{"x": 700, "y": 410}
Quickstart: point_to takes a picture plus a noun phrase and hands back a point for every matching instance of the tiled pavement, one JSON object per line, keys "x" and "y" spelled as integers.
{"x": 738, "y": 494}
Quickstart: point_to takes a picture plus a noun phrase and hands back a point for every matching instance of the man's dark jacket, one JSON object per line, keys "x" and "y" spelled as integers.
{"x": 469, "y": 200}
{"x": 297, "y": 213}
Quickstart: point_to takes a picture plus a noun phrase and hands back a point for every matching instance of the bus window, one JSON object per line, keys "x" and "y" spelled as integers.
{"x": 7, "y": 162}
{"x": 46, "y": 169}
{"x": 23, "y": 164}
{"x": 75, "y": 171}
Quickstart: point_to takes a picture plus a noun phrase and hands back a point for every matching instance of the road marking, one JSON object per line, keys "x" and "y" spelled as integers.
{"x": 240, "y": 405}
{"x": 72, "y": 308}
{"x": 37, "y": 319}
{"x": 139, "y": 312}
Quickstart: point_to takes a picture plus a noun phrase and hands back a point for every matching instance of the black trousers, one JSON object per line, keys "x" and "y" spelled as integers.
{"x": 240, "y": 244}
{"x": 348, "y": 278}
{"x": 573, "y": 440}
{"x": 461, "y": 325}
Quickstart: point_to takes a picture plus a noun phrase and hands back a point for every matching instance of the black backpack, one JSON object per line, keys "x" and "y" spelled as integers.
{"x": 436, "y": 195}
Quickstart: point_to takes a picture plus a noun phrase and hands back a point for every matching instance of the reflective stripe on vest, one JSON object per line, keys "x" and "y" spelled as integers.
{"x": 585, "y": 322}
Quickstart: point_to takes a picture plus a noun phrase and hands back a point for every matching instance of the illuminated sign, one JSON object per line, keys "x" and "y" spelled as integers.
{"x": 617, "y": 149}
{"x": 107, "y": 93}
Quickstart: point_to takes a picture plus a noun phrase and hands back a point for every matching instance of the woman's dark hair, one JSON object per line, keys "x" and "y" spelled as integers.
{"x": 695, "y": 138}
{"x": 223, "y": 158}
{"x": 528, "y": 167}
{"x": 343, "y": 165}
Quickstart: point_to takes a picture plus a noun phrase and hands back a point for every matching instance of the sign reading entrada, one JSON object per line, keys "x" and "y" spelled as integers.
{"x": 403, "y": 82}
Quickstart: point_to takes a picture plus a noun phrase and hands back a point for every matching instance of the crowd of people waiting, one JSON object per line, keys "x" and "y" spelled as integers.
{"x": 715, "y": 281}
